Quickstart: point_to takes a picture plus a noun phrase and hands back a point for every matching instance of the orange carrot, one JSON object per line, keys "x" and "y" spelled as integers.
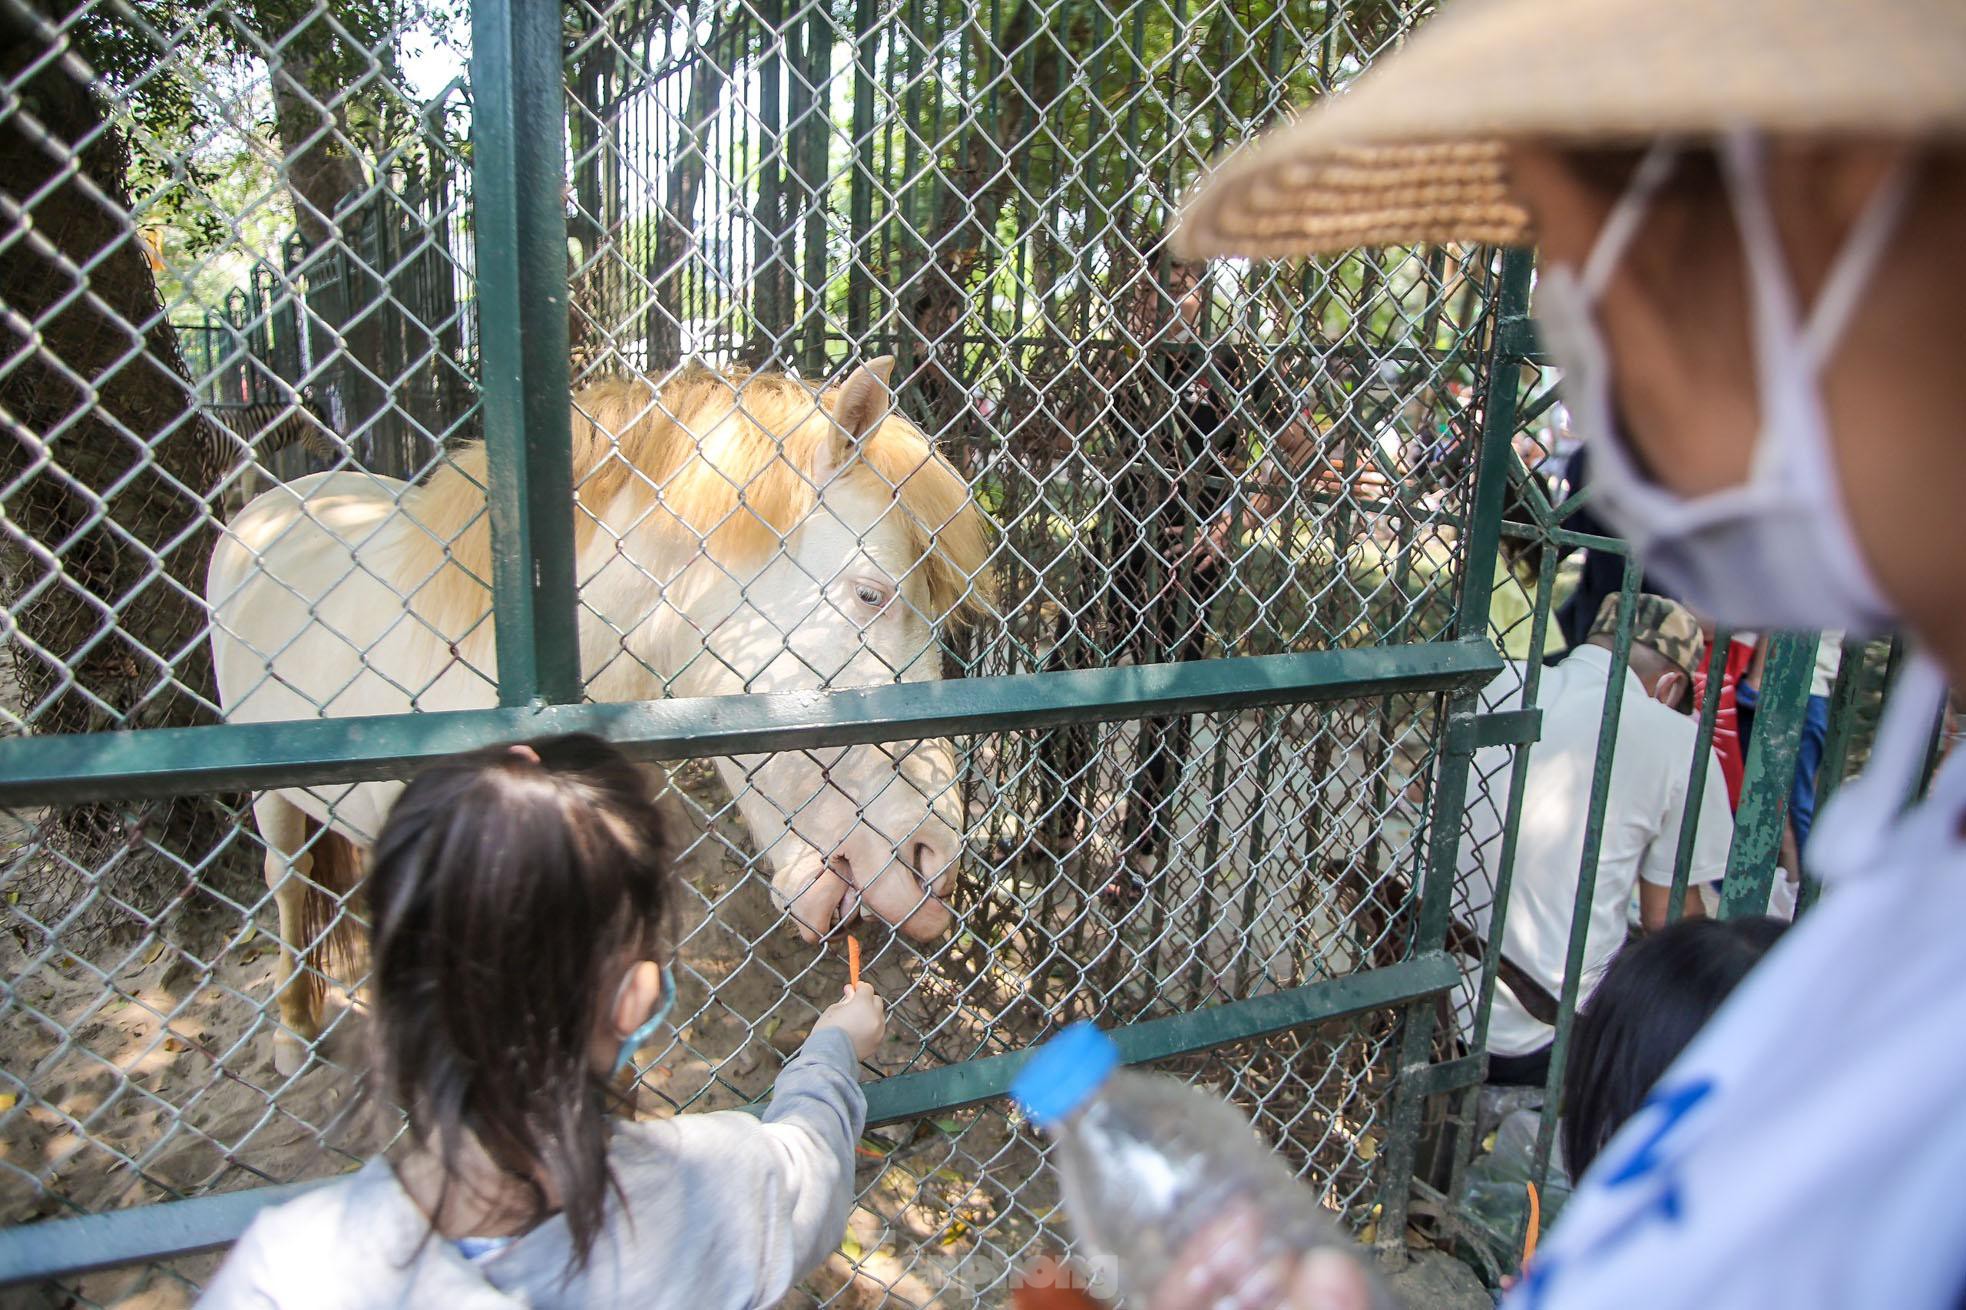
{"x": 1535, "y": 1225}
{"x": 852, "y": 961}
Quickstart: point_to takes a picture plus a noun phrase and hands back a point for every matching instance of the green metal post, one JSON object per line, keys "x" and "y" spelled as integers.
{"x": 1934, "y": 751}
{"x": 1580, "y": 914}
{"x": 519, "y": 164}
{"x": 1696, "y": 778}
{"x": 1532, "y": 682}
{"x": 1763, "y": 814}
{"x": 1491, "y": 959}
{"x": 1444, "y": 837}
{"x": 1895, "y": 658}
{"x": 771, "y": 307}
{"x": 811, "y": 138}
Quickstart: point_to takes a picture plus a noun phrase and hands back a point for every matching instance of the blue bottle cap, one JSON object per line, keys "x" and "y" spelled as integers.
{"x": 1063, "y": 1074}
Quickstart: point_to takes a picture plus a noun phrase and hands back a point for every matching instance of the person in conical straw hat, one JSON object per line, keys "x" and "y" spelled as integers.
{"x": 1748, "y": 219}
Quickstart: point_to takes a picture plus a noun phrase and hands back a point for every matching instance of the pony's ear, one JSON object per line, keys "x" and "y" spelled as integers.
{"x": 864, "y": 399}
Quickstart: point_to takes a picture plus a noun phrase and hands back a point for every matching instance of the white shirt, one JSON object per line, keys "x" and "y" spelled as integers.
{"x": 1642, "y": 816}
{"x": 1829, "y": 653}
{"x": 709, "y": 1211}
{"x": 1807, "y": 1149}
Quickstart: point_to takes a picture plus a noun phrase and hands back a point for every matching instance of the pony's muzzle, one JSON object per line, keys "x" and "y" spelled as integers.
{"x": 902, "y": 883}
{"x": 891, "y": 859}
{"x": 821, "y": 898}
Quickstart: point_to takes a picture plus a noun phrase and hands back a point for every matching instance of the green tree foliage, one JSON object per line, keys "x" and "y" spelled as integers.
{"x": 188, "y": 89}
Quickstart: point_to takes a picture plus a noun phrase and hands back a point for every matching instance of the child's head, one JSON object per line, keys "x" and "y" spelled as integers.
{"x": 1658, "y": 993}
{"x": 521, "y": 897}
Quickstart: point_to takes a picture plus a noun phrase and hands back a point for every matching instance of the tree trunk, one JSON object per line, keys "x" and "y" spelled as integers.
{"x": 975, "y": 188}
{"x": 771, "y": 276}
{"x": 346, "y": 302}
{"x": 105, "y": 469}
{"x": 708, "y": 76}
{"x": 587, "y": 328}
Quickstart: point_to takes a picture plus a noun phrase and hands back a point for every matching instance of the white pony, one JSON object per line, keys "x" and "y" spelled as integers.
{"x": 734, "y": 533}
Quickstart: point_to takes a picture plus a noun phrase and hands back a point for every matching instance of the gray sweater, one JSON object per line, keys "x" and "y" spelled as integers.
{"x": 722, "y": 1210}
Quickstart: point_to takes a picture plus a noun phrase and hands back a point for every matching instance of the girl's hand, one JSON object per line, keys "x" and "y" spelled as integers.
{"x": 861, "y": 1015}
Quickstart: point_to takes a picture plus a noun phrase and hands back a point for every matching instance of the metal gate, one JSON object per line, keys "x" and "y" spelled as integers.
{"x": 1212, "y": 715}
{"x": 1542, "y": 524}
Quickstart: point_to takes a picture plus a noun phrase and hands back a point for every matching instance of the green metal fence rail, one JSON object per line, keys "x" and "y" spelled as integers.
{"x": 176, "y": 761}
{"x": 178, "y": 1228}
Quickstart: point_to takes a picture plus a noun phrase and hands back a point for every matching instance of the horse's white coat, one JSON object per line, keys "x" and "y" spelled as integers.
{"x": 322, "y": 592}
{"x": 311, "y": 620}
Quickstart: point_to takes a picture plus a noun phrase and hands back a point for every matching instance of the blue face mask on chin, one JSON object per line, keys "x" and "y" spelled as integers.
{"x": 634, "y": 1041}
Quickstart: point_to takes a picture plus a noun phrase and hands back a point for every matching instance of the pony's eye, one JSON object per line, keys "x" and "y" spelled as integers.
{"x": 872, "y": 595}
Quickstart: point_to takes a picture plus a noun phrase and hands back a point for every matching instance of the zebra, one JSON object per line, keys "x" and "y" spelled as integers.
{"x": 244, "y": 438}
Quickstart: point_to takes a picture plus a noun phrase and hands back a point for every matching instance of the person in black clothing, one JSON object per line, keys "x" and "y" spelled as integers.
{"x": 1603, "y": 572}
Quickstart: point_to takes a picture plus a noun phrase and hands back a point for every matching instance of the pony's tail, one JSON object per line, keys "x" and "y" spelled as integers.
{"x": 330, "y": 917}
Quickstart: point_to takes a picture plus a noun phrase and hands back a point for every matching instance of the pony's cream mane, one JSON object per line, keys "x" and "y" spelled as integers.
{"x": 726, "y": 458}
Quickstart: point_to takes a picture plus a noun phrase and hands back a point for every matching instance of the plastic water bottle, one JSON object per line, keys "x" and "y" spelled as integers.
{"x": 1148, "y": 1165}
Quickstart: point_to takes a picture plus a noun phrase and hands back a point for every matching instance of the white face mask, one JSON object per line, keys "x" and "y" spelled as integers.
{"x": 1775, "y": 551}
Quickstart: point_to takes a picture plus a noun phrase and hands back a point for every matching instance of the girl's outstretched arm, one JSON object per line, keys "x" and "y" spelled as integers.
{"x": 816, "y": 1113}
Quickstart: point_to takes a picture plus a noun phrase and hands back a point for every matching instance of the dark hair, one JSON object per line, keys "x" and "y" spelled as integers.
{"x": 510, "y": 888}
{"x": 1658, "y": 993}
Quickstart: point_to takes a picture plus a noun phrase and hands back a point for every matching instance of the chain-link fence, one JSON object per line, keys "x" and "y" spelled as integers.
{"x": 1137, "y": 585}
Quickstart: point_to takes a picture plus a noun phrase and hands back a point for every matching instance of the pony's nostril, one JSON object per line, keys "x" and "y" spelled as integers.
{"x": 848, "y": 908}
{"x": 927, "y": 864}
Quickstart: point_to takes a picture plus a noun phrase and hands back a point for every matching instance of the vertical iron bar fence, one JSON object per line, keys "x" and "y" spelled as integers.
{"x": 1485, "y": 1193}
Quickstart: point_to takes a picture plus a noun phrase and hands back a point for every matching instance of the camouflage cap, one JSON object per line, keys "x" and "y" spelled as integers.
{"x": 1665, "y": 625}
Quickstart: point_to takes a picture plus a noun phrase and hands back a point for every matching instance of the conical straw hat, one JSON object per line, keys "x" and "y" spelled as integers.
{"x": 1413, "y": 151}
